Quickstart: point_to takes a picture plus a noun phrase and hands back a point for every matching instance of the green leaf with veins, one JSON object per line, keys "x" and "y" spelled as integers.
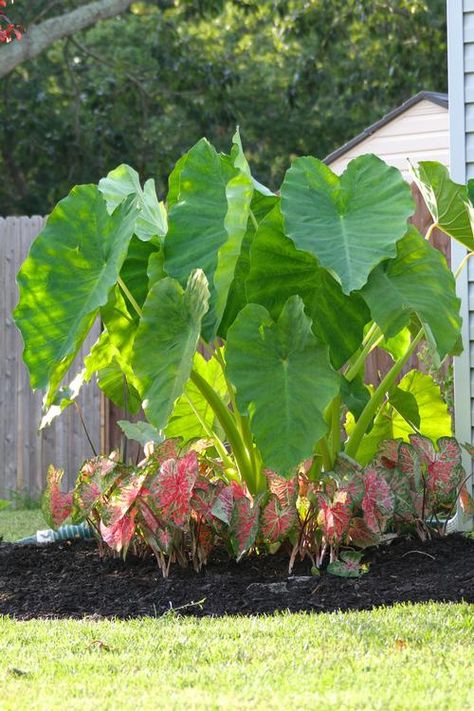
{"x": 349, "y": 223}
{"x": 123, "y": 181}
{"x": 166, "y": 341}
{"x": 71, "y": 268}
{"x": 417, "y": 281}
{"x": 284, "y": 381}
{"x": 278, "y": 270}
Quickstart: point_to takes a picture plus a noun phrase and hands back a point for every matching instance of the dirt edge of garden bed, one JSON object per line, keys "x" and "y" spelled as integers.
{"x": 71, "y": 580}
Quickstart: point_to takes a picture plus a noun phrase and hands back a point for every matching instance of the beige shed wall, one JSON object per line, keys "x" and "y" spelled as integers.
{"x": 420, "y": 133}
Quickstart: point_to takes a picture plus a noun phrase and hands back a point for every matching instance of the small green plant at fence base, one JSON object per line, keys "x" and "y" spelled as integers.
{"x": 244, "y": 318}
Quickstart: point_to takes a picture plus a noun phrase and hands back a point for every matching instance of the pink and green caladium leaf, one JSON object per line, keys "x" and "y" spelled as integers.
{"x": 72, "y": 266}
{"x": 119, "y": 533}
{"x": 284, "y": 380}
{"x": 349, "y": 223}
{"x": 285, "y": 490}
{"x": 56, "y": 504}
{"x": 166, "y": 341}
{"x": 244, "y": 523}
{"x": 151, "y": 219}
{"x": 393, "y": 293}
{"x": 279, "y": 270}
{"x": 360, "y": 535}
{"x": 223, "y": 505}
{"x": 95, "y": 478}
{"x": 171, "y": 489}
{"x": 378, "y": 501}
{"x": 443, "y": 471}
{"x": 277, "y": 521}
{"x": 348, "y": 565}
{"x": 335, "y": 515}
{"x": 123, "y": 498}
{"x": 208, "y": 211}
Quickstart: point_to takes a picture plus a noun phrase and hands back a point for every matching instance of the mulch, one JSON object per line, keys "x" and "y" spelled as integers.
{"x": 72, "y": 580}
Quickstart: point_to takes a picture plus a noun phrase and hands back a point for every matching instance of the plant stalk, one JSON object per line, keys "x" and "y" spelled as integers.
{"x": 377, "y": 398}
{"x": 233, "y": 435}
{"x": 129, "y": 296}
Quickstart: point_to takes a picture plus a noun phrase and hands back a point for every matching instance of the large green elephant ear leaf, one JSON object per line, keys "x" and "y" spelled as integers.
{"x": 210, "y": 202}
{"x": 72, "y": 266}
{"x": 123, "y": 181}
{"x": 263, "y": 201}
{"x": 418, "y": 281}
{"x": 166, "y": 341}
{"x": 283, "y": 379}
{"x": 192, "y": 416}
{"x": 446, "y": 200}
{"x": 349, "y": 223}
{"x": 278, "y": 270}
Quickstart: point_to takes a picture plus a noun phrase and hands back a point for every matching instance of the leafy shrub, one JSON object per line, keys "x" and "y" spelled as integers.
{"x": 179, "y": 507}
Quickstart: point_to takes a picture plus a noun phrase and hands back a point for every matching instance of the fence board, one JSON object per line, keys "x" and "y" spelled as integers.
{"x": 25, "y": 452}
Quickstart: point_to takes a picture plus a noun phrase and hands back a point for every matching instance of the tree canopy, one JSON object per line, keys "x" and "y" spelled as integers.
{"x": 299, "y": 78}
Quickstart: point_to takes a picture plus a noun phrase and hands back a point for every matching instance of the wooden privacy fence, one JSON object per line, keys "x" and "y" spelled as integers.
{"x": 25, "y": 453}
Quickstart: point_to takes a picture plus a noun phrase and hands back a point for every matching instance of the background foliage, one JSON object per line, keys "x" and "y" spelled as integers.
{"x": 299, "y": 78}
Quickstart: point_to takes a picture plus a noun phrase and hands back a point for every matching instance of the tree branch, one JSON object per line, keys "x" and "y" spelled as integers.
{"x": 41, "y": 36}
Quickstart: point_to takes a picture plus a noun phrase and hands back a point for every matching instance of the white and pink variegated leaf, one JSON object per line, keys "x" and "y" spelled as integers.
{"x": 148, "y": 516}
{"x": 410, "y": 464}
{"x": 95, "y": 478}
{"x": 388, "y": 453}
{"x": 119, "y": 533}
{"x": 403, "y": 489}
{"x": 360, "y": 535}
{"x": 445, "y": 473}
{"x": 56, "y": 504}
{"x": 378, "y": 501}
{"x": 285, "y": 490}
{"x": 224, "y": 505}
{"x": 171, "y": 489}
{"x": 123, "y": 498}
{"x": 278, "y": 520}
{"x": 244, "y": 525}
{"x": 335, "y": 515}
{"x": 424, "y": 447}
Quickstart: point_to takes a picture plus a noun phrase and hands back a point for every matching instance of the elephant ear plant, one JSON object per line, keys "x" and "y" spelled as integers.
{"x": 244, "y": 318}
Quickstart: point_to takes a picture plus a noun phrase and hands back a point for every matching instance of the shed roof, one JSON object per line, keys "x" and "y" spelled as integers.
{"x": 434, "y": 97}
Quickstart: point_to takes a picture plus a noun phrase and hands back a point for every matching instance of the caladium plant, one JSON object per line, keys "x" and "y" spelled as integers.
{"x": 245, "y": 317}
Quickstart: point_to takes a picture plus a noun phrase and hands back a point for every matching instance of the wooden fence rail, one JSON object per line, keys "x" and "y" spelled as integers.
{"x": 25, "y": 453}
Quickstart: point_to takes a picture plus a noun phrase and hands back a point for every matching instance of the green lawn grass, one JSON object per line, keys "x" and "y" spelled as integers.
{"x": 406, "y": 657}
{"x": 15, "y": 524}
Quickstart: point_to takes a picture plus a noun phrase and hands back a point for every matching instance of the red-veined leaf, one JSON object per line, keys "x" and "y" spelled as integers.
{"x": 285, "y": 490}
{"x": 243, "y": 525}
{"x": 347, "y": 566}
{"x": 334, "y": 516}
{"x": 223, "y": 505}
{"x": 172, "y": 486}
{"x": 56, "y": 504}
{"x": 378, "y": 501}
{"x": 277, "y": 520}
{"x": 360, "y": 535}
{"x": 119, "y": 533}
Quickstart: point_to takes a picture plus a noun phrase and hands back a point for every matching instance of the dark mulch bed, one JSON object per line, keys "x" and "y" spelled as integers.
{"x": 71, "y": 580}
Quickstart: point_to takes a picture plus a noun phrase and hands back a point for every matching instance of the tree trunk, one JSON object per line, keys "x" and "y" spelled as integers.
{"x": 41, "y": 36}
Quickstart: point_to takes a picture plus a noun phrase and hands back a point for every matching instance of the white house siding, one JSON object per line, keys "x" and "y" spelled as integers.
{"x": 419, "y": 133}
{"x": 460, "y": 15}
